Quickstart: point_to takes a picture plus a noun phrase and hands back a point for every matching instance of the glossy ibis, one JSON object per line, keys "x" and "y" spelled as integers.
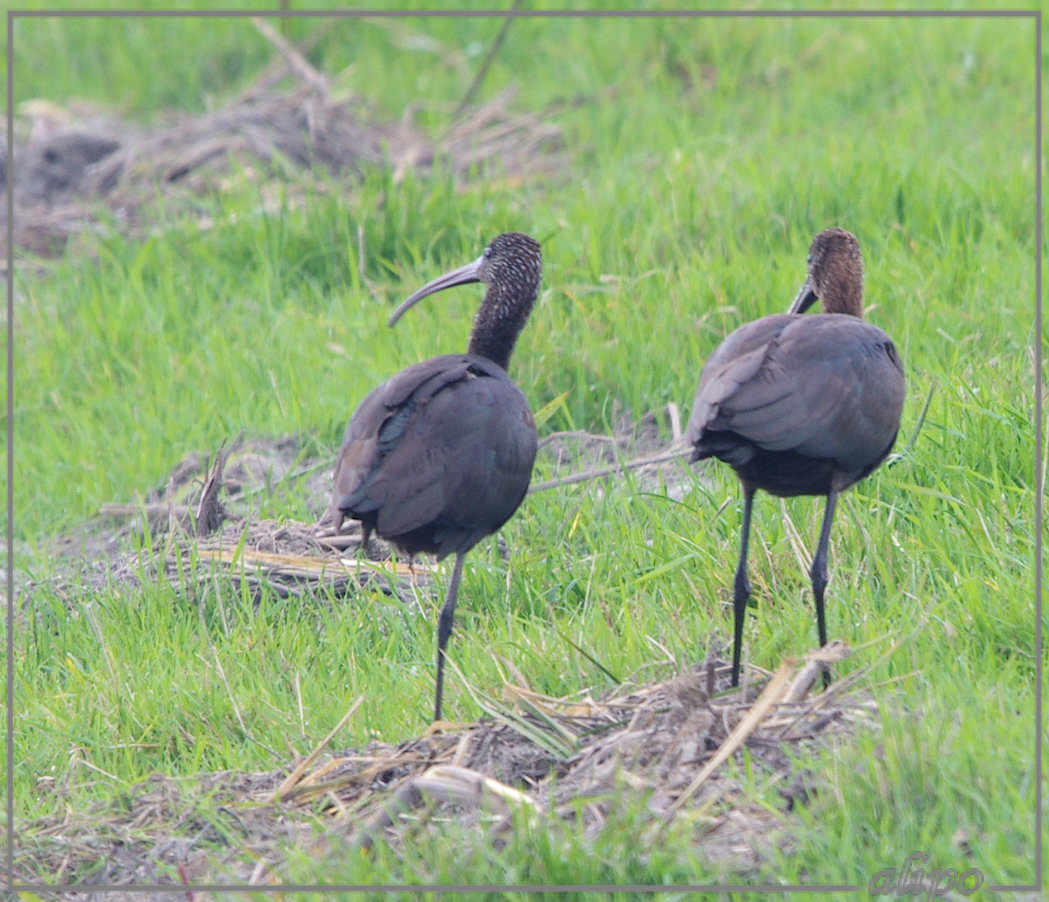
{"x": 801, "y": 405}
{"x": 440, "y": 455}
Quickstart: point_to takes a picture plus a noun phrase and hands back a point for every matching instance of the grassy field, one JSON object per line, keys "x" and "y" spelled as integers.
{"x": 699, "y": 157}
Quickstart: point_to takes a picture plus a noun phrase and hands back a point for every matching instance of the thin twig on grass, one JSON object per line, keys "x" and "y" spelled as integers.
{"x": 297, "y": 63}
{"x": 814, "y": 665}
{"x": 497, "y": 44}
{"x": 575, "y": 433}
{"x": 917, "y": 426}
{"x": 771, "y": 695}
{"x": 222, "y": 673}
{"x": 297, "y": 772}
{"x": 598, "y": 472}
{"x": 781, "y": 689}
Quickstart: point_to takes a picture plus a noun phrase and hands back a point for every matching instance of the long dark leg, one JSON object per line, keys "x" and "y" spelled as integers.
{"x": 819, "y": 574}
{"x": 742, "y": 586}
{"x": 444, "y": 628}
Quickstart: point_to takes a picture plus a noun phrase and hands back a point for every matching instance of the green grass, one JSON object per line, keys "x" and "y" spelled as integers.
{"x": 702, "y": 157}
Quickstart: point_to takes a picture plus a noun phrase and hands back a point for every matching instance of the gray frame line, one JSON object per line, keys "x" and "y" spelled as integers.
{"x": 8, "y": 884}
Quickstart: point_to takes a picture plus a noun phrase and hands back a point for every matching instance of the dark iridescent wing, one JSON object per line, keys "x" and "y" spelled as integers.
{"x": 449, "y": 442}
{"x": 827, "y": 386}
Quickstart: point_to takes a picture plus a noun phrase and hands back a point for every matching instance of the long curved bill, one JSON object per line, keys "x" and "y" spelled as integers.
{"x": 804, "y": 298}
{"x": 460, "y": 276}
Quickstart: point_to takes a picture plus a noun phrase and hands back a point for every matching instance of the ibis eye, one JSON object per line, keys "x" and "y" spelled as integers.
{"x": 488, "y": 251}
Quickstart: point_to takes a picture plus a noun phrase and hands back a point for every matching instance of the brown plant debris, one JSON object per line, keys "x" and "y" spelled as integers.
{"x": 73, "y": 164}
{"x": 531, "y": 762}
{"x": 200, "y": 522}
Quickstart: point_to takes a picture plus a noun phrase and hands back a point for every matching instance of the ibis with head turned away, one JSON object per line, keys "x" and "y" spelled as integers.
{"x": 440, "y": 455}
{"x": 801, "y": 405}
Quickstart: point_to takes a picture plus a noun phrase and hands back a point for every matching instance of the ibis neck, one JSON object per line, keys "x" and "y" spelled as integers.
{"x": 847, "y": 299}
{"x": 841, "y": 290}
{"x": 498, "y": 324}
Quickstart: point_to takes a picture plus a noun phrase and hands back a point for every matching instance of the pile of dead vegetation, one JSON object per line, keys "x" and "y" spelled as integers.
{"x": 530, "y": 762}
{"x": 202, "y": 519}
{"x": 80, "y": 170}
